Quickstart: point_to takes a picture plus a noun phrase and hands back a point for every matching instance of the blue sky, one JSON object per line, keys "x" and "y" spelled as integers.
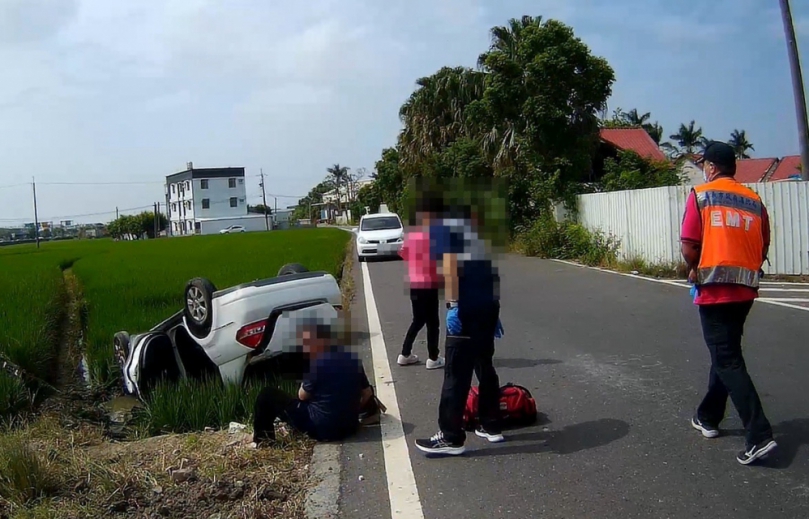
{"x": 97, "y": 91}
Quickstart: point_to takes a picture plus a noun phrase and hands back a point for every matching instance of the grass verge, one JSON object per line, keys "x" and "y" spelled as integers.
{"x": 47, "y": 472}
{"x": 569, "y": 241}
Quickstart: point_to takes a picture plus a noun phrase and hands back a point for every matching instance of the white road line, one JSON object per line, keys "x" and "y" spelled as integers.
{"x": 784, "y": 289}
{"x": 402, "y": 490}
{"x": 786, "y": 299}
{"x": 674, "y": 283}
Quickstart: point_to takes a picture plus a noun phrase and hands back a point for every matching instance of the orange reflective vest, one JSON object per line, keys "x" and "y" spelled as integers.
{"x": 732, "y": 235}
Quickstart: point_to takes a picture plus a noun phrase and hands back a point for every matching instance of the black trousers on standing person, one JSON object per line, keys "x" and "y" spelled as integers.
{"x": 723, "y": 327}
{"x": 471, "y": 352}
{"x": 425, "y": 312}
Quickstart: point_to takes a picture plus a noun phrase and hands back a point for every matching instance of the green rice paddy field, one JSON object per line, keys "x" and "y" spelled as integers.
{"x": 130, "y": 286}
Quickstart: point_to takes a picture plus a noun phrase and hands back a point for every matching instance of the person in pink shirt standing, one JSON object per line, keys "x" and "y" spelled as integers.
{"x": 423, "y": 281}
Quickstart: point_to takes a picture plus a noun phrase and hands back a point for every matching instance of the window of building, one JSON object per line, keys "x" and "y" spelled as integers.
{"x": 231, "y": 183}
{"x": 203, "y": 184}
{"x": 241, "y": 181}
{"x": 188, "y": 184}
{"x": 234, "y": 202}
{"x": 174, "y": 188}
{"x": 206, "y": 203}
{"x": 188, "y": 205}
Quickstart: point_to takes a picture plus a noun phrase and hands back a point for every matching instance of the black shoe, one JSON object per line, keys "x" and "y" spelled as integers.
{"x": 438, "y": 445}
{"x": 708, "y": 431}
{"x": 493, "y": 437}
{"x": 748, "y": 456}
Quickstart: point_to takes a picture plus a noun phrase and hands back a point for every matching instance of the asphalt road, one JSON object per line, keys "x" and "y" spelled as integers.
{"x": 617, "y": 365}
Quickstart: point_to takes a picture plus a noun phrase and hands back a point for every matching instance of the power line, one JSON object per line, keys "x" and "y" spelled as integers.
{"x": 15, "y": 185}
{"x": 153, "y": 182}
{"x": 69, "y": 217}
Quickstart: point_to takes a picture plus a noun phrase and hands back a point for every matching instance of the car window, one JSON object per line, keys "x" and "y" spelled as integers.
{"x": 382, "y": 223}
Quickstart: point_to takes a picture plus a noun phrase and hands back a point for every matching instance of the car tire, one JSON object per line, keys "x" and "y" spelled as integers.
{"x": 360, "y": 259}
{"x": 121, "y": 346}
{"x": 292, "y": 268}
{"x": 198, "y": 308}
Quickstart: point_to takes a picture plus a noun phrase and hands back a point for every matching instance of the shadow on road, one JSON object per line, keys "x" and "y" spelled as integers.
{"x": 790, "y": 436}
{"x": 523, "y": 363}
{"x": 571, "y": 439}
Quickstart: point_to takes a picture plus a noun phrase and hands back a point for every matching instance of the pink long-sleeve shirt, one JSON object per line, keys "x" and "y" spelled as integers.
{"x": 422, "y": 271}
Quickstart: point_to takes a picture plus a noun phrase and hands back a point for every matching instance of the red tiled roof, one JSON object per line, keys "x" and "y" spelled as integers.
{"x": 787, "y": 167}
{"x": 749, "y": 171}
{"x": 634, "y": 139}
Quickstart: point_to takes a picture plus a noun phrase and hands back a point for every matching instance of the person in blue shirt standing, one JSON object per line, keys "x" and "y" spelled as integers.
{"x": 471, "y": 284}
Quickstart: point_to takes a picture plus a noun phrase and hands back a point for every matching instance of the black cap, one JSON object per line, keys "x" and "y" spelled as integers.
{"x": 720, "y": 154}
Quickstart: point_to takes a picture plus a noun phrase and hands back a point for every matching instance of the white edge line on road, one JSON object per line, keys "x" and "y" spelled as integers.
{"x": 402, "y": 490}
{"x": 676, "y": 284}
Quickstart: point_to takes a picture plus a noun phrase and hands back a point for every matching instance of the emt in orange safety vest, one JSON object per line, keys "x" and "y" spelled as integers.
{"x": 725, "y": 238}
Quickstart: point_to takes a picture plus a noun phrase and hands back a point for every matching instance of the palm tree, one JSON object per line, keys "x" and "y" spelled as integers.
{"x": 688, "y": 138}
{"x": 337, "y": 177}
{"x": 433, "y": 116}
{"x": 501, "y": 141}
{"x": 632, "y": 117}
{"x": 738, "y": 141}
{"x": 655, "y": 131}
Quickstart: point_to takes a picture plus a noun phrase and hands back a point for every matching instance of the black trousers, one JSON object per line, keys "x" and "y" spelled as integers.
{"x": 273, "y": 403}
{"x": 723, "y": 327}
{"x": 425, "y": 312}
{"x": 471, "y": 352}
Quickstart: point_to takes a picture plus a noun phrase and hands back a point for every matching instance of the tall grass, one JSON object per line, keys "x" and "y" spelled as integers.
{"x": 192, "y": 405}
{"x": 26, "y": 474}
{"x": 133, "y": 286}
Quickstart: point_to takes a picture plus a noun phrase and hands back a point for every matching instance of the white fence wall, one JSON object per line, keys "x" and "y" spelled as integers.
{"x": 647, "y": 222}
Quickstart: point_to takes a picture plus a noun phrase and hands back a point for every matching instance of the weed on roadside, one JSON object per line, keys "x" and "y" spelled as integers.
{"x": 570, "y": 241}
{"x": 193, "y": 405}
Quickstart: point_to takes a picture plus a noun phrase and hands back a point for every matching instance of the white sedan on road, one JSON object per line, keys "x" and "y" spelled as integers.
{"x": 379, "y": 235}
{"x": 232, "y": 229}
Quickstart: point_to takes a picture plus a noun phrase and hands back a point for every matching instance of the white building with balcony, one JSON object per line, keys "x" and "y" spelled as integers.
{"x": 199, "y": 199}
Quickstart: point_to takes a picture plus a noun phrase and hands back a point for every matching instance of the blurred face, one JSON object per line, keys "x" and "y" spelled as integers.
{"x": 423, "y": 218}
{"x": 312, "y": 344}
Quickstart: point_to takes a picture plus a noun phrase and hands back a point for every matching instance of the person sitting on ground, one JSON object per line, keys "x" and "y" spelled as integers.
{"x": 334, "y": 393}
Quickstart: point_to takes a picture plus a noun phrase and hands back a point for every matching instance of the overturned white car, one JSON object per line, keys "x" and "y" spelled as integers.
{"x": 226, "y": 333}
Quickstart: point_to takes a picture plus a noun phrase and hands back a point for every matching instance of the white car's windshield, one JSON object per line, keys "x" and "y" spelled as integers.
{"x": 382, "y": 223}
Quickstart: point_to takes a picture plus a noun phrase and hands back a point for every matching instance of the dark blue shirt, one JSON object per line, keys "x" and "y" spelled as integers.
{"x": 334, "y": 383}
{"x": 478, "y": 281}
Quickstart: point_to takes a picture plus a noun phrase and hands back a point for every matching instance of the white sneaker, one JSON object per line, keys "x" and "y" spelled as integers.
{"x": 406, "y": 361}
{"x": 436, "y": 364}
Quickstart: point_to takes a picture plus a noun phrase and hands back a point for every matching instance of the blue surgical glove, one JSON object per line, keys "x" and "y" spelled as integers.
{"x": 453, "y": 322}
{"x": 694, "y": 292}
{"x": 499, "y": 332}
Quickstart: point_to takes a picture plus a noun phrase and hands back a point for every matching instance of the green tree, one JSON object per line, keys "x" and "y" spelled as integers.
{"x": 631, "y": 171}
{"x": 315, "y": 196}
{"x": 338, "y": 177}
{"x": 687, "y": 139}
{"x": 738, "y": 141}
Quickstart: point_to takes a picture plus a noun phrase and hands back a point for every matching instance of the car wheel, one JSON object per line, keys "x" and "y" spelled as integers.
{"x": 360, "y": 258}
{"x": 198, "y": 310}
{"x": 120, "y": 343}
{"x": 292, "y": 268}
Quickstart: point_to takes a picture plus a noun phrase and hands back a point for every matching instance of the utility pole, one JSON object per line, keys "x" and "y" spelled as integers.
{"x": 275, "y": 212}
{"x": 797, "y": 88}
{"x": 36, "y": 215}
{"x": 264, "y": 198}
{"x": 116, "y": 213}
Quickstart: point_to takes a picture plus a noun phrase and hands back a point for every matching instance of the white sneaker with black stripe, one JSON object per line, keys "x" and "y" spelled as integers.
{"x": 491, "y": 437}
{"x": 439, "y": 445}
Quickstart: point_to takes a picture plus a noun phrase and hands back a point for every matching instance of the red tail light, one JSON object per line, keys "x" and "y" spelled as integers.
{"x": 250, "y": 335}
